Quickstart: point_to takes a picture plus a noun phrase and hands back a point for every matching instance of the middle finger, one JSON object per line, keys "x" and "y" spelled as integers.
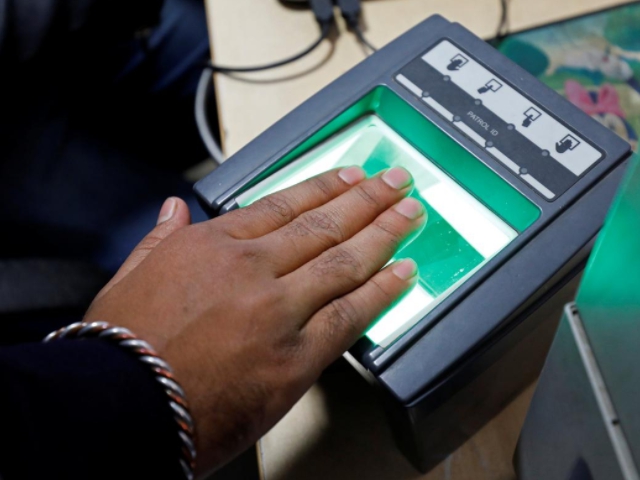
{"x": 320, "y": 229}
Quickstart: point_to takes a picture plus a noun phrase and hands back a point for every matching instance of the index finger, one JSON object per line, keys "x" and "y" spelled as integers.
{"x": 335, "y": 328}
{"x": 278, "y": 209}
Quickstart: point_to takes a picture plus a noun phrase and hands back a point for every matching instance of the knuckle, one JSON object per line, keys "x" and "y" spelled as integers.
{"x": 288, "y": 348}
{"x": 367, "y": 193}
{"x": 276, "y": 205}
{"x": 381, "y": 291}
{"x": 158, "y": 235}
{"x": 341, "y": 262}
{"x": 248, "y": 253}
{"x": 321, "y": 184}
{"x": 148, "y": 243}
{"x": 205, "y": 233}
{"x": 320, "y": 224}
{"x": 390, "y": 230}
{"x": 342, "y": 317}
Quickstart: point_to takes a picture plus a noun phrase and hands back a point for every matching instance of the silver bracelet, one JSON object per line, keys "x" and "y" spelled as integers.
{"x": 162, "y": 372}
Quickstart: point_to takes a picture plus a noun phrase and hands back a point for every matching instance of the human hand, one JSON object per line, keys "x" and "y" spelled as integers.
{"x": 250, "y": 307}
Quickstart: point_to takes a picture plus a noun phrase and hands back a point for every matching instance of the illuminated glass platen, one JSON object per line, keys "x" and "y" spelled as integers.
{"x": 460, "y": 235}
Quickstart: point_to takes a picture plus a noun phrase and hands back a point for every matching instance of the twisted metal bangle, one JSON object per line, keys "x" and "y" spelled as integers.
{"x": 163, "y": 375}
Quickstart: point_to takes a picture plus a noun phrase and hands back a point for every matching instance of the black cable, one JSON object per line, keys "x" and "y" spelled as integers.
{"x": 502, "y": 31}
{"x": 325, "y": 28}
{"x": 323, "y": 12}
{"x": 351, "y": 11}
{"x": 363, "y": 40}
{"x": 205, "y": 84}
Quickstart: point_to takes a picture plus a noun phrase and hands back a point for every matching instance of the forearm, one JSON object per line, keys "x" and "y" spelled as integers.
{"x": 28, "y": 26}
{"x": 83, "y": 409}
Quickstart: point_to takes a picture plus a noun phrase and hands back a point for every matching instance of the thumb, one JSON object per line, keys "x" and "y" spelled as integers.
{"x": 173, "y": 216}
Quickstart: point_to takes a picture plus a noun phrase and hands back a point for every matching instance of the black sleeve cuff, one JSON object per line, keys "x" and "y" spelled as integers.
{"x": 28, "y": 27}
{"x": 83, "y": 409}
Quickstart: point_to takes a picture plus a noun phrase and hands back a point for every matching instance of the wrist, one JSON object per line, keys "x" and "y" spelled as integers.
{"x": 158, "y": 367}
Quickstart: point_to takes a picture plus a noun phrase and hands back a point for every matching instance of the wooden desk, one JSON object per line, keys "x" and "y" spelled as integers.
{"x": 251, "y": 32}
{"x": 337, "y": 431}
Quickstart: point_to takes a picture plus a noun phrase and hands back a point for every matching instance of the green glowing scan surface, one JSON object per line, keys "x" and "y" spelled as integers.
{"x": 460, "y": 235}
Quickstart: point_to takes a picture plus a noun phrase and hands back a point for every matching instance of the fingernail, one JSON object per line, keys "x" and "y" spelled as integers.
{"x": 405, "y": 269}
{"x": 397, "y": 178}
{"x": 410, "y": 208}
{"x": 352, "y": 175}
{"x": 167, "y": 210}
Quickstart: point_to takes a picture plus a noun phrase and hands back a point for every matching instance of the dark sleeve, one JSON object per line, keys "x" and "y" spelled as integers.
{"x": 83, "y": 409}
{"x": 27, "y": 26}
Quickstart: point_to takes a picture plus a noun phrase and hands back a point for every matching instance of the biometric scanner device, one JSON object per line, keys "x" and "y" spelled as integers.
{"x": 516, "y": 182}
